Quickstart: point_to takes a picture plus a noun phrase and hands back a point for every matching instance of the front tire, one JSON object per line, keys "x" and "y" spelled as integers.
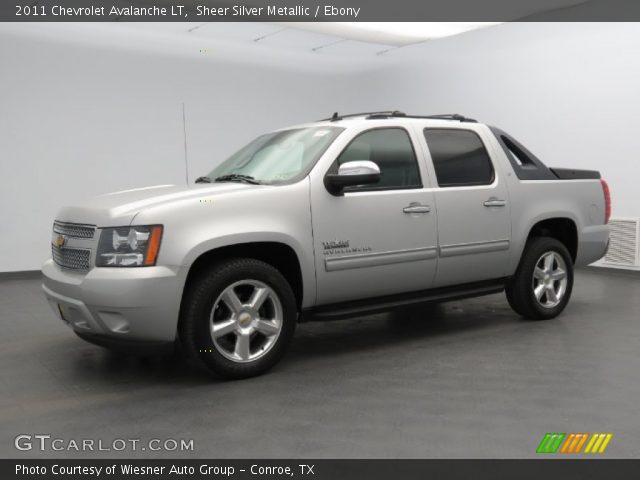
{"x": 542, "y": 284}
{"x": 238, "y": 318}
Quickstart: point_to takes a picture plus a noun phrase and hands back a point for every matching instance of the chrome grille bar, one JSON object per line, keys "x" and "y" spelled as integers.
{"x": 71, "y": 258}
{"x": 76, "y": 230}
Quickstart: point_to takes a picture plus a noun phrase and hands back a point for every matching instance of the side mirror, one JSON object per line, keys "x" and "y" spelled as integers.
{"x": 350, "y": 174}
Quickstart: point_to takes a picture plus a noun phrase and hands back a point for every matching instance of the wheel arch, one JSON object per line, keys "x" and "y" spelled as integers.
{"x": 279, "y": 255}
{"x": 563, "y": 229}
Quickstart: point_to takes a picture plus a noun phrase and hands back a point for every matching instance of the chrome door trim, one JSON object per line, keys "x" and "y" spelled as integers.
{"x": 362, "y": 260}
{"x": 475, "y": 247}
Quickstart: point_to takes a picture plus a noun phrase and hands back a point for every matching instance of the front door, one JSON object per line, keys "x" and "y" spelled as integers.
{"x": 375, "y": 240}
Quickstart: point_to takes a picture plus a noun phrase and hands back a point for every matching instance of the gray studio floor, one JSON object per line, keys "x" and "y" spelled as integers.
{"x": 466, "y": 379}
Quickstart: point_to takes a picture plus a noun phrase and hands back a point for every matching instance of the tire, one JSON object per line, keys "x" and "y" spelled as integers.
{"x": 250, "y": 339}
{"x": 541, "y": 287}
{"x": 510, "y": 298}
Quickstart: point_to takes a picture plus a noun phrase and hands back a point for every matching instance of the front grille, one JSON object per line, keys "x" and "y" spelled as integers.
{"x": 72, "y": 258}
{"x": 76, "y": 230}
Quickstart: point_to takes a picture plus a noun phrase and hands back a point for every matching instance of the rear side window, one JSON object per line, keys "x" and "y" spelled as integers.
{"x": 389, "y": 148}
{"x": 459, "y": 157}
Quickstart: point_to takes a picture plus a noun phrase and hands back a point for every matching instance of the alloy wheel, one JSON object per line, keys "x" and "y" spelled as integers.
{"x": 549, "y": 279}
{"x": 246, "y": 320}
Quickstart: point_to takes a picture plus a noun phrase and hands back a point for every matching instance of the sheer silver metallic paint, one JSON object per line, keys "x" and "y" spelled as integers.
{"x": 488, "y": 240}
{"x": 374, "y": 222}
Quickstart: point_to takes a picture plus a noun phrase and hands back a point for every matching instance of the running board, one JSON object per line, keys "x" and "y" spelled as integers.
{"x": 370, "y": 306}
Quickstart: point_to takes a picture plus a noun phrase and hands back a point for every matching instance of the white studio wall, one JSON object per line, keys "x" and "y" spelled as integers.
{"x": 569, "y": 91}
{"x": 91, "y": 109}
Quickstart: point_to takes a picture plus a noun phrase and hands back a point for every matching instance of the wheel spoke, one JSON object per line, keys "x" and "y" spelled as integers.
{"x": 267, "y": 327}
{"x": 260, "y": 294}
{"x": 242, "y": 349}
{"x": 538, "y": 273}
{"x": 548, "y": 263}
{"x": 232, "y": 301}
{"x": 558, "y": 274}
{"x": 223, "y": 328}
{"x": 551, "y": 295}
{"x": 539, "y": 291}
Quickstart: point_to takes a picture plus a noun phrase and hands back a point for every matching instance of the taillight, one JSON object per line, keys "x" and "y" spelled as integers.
{"x": 607, "y": 200}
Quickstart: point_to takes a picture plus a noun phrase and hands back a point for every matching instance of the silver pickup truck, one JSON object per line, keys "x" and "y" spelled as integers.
{"x": 346, "y": 216}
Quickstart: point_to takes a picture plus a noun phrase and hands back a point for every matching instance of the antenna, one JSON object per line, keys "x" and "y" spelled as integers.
{"x": 184, "y": 132}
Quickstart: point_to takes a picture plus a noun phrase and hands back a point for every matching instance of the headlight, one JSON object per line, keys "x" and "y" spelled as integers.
{"x": 129, "y": 246}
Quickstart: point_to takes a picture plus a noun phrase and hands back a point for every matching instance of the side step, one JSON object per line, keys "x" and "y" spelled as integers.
{"x": 370, "y": 306}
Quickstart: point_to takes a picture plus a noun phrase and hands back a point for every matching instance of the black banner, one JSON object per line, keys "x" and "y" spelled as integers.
{"x": 543, "y": 469}
{"x": 318, "y": 10}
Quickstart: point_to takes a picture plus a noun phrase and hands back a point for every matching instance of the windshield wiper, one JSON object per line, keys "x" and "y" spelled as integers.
{"x": 236, "y": 177}
{"x": 203, "y": 180}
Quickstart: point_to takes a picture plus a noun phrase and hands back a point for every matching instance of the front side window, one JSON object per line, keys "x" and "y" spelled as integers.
{"x": 277, "y": 157}
{"x": 389, "y": 148}
{"x": 459, "y": 157}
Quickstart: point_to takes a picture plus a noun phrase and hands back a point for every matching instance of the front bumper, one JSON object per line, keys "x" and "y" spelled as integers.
{"x": 128, "y": 304}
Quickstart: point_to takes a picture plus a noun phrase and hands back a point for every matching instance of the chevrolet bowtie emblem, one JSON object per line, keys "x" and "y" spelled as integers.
{"x": 60, "y": 241}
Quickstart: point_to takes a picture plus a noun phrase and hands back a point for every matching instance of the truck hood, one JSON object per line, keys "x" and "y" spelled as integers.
{"x": 119, "y": 208}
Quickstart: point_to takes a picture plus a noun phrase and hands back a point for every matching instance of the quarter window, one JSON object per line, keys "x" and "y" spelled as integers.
{"x": 459, "y": 157}
{"x": 389, "y": 148}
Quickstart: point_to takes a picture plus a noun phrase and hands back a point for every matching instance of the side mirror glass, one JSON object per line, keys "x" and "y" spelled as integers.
{"x": 350, "y": 174}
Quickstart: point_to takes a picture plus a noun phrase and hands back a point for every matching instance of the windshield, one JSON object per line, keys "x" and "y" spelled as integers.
{"x": 277, "y": 157}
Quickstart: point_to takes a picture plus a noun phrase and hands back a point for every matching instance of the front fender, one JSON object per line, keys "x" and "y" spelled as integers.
{"x": 197, "y": 225}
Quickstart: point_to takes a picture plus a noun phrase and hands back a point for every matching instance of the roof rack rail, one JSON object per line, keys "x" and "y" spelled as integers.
{"x": 335, "y": 117}
{"x": 396, "y": 113}
{"x": 451, "y": 116}
{"x": 448, "y": 116}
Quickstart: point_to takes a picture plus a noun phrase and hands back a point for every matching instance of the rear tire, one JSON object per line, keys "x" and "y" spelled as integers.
{"x": 238, "y": 318}
{"x": 541, "y": 287}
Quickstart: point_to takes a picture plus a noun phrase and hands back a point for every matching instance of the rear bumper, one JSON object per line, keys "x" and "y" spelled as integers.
{"x": 124, "y": 304}
{"x": 592, "y": 244}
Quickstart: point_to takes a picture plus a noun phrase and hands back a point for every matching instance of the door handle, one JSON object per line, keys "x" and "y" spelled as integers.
{"x": 416, "y": 208}
{"x": 495, "y": 202}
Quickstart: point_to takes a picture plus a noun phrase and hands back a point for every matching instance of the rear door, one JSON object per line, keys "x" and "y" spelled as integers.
{"x": 473, "y": 212}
